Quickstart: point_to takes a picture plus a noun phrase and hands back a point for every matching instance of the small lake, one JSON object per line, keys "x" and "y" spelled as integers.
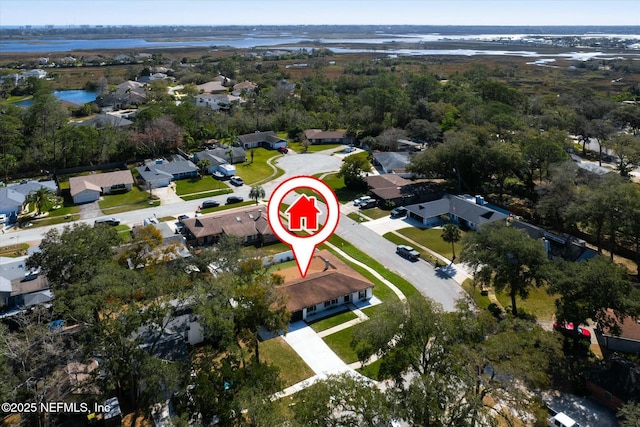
{"x": 79, "y": 97}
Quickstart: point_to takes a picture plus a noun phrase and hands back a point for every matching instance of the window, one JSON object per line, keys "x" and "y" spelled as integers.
{"x": 347, "y": 298}
{"x": 327, "y": 303}
{"x": 334, "y": 301}
{"x": 311, "y": 308}
{"x": 362, "y": 294}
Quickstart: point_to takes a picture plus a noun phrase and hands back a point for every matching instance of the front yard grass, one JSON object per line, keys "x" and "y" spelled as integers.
{"x": 198, "y": 185}
{"x": 225, "y": 207}
{"x": 539, "y": 303}
{"x": 314, "y": 148}
{"x": 372, "y": 370}
{"x": 333, "y": 320}
{"x": 14, "y": 251}
{"x": 430, "y": 238}
{"x": 357, "y": 217}
{"x": 258, "y": 170}
{"x": 340, "y": 343}
{"x": 129, "y": 201}
{"x": 206, "y": 194}
{"x": 482, "y": 301}
{"x": 345, "y": 195}
{"x": 375, "y": 213}
{"x": 277, "y": 352}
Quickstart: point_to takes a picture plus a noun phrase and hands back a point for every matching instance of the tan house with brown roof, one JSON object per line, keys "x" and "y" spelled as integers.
{"x": 85, "y": 189}
{"x": 391, "y": 189}
{"x": 317, "y": 136}
{"x": 250, "y": 224}
{"x": 329, "y": 283}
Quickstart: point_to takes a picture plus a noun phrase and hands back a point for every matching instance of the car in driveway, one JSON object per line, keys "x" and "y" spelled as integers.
{"x": 368, "y": 204}
{"x": 362, "y": 200}
{"x": 210, "y": 204}
{"x": 398, "y": 212}
{"x": 408, "y": 252}
{"x": 234, "y": 199}
{"x": 237, "y": 181}
{"x": 567, "y": 329}
{"x": 283, "y": 150}
{"x": 182, "y": 218}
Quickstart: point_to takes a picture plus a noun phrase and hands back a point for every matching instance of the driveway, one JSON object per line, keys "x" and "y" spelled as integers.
{"x": 90, "y": 210}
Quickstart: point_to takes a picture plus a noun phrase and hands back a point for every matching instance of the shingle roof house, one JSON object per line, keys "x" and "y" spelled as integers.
{"x": 329, "y": 282}
{"x": 262, "y": 139}
{"x": 89, "y": 187}
{"x": 250, "y": 224}
{"x": 317, "y": 136}
{"x": 391, "y": 188}
{"x": 463, "y": 210}
{"x": 160, "y": 173}
{"x": 11, "y": 203}
{"x": 392, "y": 162}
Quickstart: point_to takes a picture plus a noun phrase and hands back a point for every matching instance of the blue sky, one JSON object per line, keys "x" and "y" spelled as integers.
{"x": 289, "y": 12}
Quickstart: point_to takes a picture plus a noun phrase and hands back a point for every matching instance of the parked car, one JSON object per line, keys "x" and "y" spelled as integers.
{"x": 234, "y": 199}
{"x": 567, "y": 329}
{"x": 399, "y": 212}
{"x": 210, "y": 204}
{"x": 236, "y": 180}
{"x": 368, "y": 204}
{"x": 562, "y": 420}
{"x": 151, "y": 220}
{"x": 31, "y": 274}
{"x": 108, "y": 221}
{"x": 183, "y": 217}
{"x": 408, "y": 252}
{"x": 361, "y": 200}
{"x": 349, "y": 150}
{"x": 283, "y": 150}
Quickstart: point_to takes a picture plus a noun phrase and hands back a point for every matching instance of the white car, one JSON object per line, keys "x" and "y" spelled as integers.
{"x": 236, "y": 180}
{"x": 362, "y": 200}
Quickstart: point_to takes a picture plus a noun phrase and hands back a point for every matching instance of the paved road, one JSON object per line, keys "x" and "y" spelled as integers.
{"x": 439, "y": 287}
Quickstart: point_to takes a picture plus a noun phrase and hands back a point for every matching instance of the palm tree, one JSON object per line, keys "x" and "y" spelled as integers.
{"x": 257, "y": 193}
{"x": 229, "y": 153}
{"x": 40, "y": 198}
{"x": 451, "y": 234}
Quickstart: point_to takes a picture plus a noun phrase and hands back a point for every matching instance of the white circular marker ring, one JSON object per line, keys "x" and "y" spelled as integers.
{"x": 303, "y": 246}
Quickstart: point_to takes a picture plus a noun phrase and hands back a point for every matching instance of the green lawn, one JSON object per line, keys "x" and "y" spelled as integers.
{"x": 52, "y": 220}
{"x": 225, "y": 207}
{"x": 331, "y": 321}
{"x": 394, "y": 238}
{"x": 375, "y": 213}
{"x": 372, "y": 370}
{"x": 259, "y": 170}
{"x": 340, "y": 343}
{"x": 357, "y": 217}
{"x": 345, "y": 195}
{"x": 206, "y": 194}
{"x": 198, "y": 185}
{"x": 539, "y": 303}
{"x": 297, "y": 147}
{"x": 431, "y": 238}
{"x": 129, "y": 201}
{"x": 407, "y": 288}
{"x": 14, "y": 251}
{"x": 482, "y": 301}
{"x": 123, "y": 232}
{"x": 277, "y": 352}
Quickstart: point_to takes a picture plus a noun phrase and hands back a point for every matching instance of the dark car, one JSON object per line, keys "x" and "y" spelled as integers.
{"x": 234, "y": 199}
{"x": 398, "y": 212}
{"x": 408, "y": 252}
{"x": 182, "y": 218}
{"x": 567, "y": 329}
{"x": 210, "y": 204}
{"x": 108, "y": 221}
{"x": 283, "y": 150}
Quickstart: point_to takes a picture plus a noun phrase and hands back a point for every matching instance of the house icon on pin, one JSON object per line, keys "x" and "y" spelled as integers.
{"x": 303, "y": 214}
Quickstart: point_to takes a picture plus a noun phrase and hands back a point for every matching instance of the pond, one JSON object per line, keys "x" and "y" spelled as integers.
{"x": 79, "y": 97}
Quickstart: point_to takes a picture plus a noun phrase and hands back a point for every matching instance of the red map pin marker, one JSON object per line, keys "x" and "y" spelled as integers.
{"x": 303, "y": 215}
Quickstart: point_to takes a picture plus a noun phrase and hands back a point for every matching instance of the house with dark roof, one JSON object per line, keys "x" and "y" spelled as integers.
{"x": 216, "y": 163}
{"x": 565, "y": 246}
{"x": 463, "y": 210}
{"x": 214, "y": 86}
{"x": 317, "y": 136}
{"x": 626, "y": 340}
{"x": 250, "y": 224}
{"x": 88, "y": 188}
{"x": 329, "y": 283}
{"x": 16, "y": 290}
{"x": 392, "y": 162}
{"x": 614, "y": 381}
{"x": 100, "y": 121}
{"x": 391, "y": 189}
{"x": 160, "y": 173}
{"x": 262, "y": 139}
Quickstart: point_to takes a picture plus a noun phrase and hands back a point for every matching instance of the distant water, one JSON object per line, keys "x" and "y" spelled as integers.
{"x": 75, "y": 96}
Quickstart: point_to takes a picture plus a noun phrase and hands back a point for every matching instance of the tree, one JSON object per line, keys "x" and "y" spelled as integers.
{"x": 627, "y": 148}
{"x": 73, "y": 254}
{"x": 589, "y": 288}
{"x": 557, "y": 197}
{"x": 256, "y": 193}
{"x": 451, "y": 234}
{"x": 203, "y": 165}
{"x": 353, "y": 169}
{"x": 629, "y": 414}
{"x": 41, "y": 198}
{"x": 506, "y": 257}
{"x": 342, "y": 400}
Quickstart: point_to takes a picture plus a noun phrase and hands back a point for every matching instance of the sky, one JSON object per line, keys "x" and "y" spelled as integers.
{"x": 315, "y": 12}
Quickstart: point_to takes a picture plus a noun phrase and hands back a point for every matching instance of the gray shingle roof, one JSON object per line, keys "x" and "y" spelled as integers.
{"x": 459, "y": 206}
{"x": 392, "y": 161}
